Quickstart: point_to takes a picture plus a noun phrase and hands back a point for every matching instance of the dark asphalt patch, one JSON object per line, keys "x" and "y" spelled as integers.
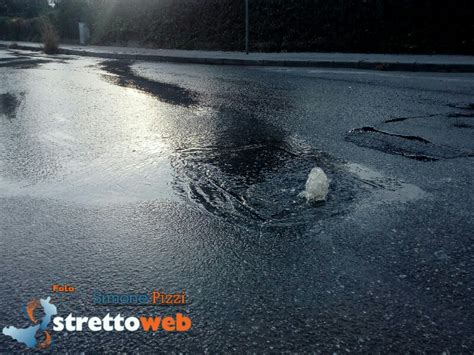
{"x": 9, "y": 104}
{"x": 42, "y": 55}
{"x": 9, "y": 59}
{"x": 169, "y": 93}
{"x": 24, "y": 64}
{"x": 461, "y": 114}
{"x": 401, "y": 119}
{"x": 412, "y": 147}
{"x": 469, "y": 106}
{"x": 468, "y": 112}
{"x": 462, "y": 125}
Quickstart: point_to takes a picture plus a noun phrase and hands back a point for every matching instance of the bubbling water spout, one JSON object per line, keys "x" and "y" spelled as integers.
{"x": 317, "y": 186}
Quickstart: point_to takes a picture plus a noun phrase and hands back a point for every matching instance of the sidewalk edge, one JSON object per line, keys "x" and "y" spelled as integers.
{"x": 368, "y": 65}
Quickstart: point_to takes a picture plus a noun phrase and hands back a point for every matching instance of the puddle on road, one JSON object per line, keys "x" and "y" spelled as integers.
{"x": 260, "y": 183}
{"x": 236, "y": 165}
{"x": 412, "y": 147}
{"x": 246, "y": 170}
{"x": 123, "y": 75}
{"x": 224, "y": 157}
{"x": 257, "y": 186}
{"x": 95, "y": 146}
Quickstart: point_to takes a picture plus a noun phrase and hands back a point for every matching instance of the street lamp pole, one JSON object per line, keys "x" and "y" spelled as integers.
{"x": 246, "y": 26}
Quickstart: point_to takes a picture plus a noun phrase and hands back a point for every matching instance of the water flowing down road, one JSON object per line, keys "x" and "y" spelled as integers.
{"x": 126, "y": 177}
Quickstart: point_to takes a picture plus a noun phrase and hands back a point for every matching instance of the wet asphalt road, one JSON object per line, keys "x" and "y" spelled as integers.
{"x": 128, "y": 177}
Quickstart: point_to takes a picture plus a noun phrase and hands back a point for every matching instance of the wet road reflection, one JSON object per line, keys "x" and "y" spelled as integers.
{"x": 236, "y": 165}
{"x": 117, "y": 137}
{"x": 78, "y": 138}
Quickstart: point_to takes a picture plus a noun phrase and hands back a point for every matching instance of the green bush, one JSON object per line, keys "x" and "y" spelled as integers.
{"x": 19, "y": 29}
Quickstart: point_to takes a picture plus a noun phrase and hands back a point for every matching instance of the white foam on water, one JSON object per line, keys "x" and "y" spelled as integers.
{"x": 386, "y": 189}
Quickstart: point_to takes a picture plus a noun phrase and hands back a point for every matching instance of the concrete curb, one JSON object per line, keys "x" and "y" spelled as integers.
{"x": 368, "y": 65}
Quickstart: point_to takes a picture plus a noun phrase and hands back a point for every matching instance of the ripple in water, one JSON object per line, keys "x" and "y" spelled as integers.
{"x": 257, "y": 185}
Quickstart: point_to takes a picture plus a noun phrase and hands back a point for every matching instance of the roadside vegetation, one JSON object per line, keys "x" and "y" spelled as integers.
{"x": 49, "y": 37}
{"x": 390, "y": 26}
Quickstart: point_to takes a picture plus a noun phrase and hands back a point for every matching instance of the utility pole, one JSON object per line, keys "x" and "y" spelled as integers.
{"x": 246, "y": 26}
